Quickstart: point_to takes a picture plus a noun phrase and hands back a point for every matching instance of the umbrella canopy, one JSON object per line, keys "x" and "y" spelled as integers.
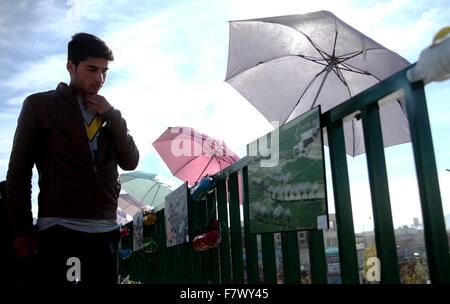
{"x": 127, "y": 208}
{"x": 190, "y": 155}
{"x": 129, "y": 204}
{"x": 149, "y": 189}
{"x": 287, "y": 65}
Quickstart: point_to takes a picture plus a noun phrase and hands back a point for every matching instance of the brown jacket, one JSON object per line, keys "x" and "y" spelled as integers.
{"x": 51, "y": 134}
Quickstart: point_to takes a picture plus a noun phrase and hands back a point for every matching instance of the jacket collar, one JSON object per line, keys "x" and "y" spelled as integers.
{"x": 65, "y": 89}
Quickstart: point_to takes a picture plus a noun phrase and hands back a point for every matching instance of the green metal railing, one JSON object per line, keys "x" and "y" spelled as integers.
{"x": 236, "y": 260}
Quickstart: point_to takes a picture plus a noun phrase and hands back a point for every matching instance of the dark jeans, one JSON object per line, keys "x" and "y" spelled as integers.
{"x": 65, "y": 254}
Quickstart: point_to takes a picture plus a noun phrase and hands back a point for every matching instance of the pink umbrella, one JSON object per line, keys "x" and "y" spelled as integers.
{"x": 190, "y": 155}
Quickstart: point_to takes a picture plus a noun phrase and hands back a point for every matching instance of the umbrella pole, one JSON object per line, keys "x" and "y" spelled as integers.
{"x": 154, "y": 197}
{"x": 204, "y": 169}
{"x": 151, "y": 204}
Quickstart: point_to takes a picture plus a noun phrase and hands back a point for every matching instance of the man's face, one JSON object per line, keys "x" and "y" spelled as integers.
{"x": 89, "y": 76}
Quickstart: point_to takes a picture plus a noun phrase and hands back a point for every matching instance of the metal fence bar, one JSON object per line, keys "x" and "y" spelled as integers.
{"x": 204, "y": 255}
{"x": 251, "y": 246}
{"x": 194, "y": 230}
{"x": 188, "y": 261}
{"x": 342, "y": 200}
{"x": 291, "y": 259}
{"x": 235, "y": 227}
{"x": 213, "y": 252}
{"x": 268, "y": 258}
{"x": 436, "y": 239}
{"x": 379, "y": 189}
{"x": 175, "y": 265}
{"x": 238, "y": 165}
{"x": 224, "y": 247}
{"x": 150, "y": 266}
{"x": 160, "y": 235}
{"x": 181, "y": 264}
{"x": 317, "y": 257}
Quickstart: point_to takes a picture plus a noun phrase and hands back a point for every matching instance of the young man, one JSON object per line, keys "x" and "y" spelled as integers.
{"x": 76, "y": 139}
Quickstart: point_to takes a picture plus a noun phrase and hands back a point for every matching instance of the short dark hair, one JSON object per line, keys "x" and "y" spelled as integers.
{"x": 85, "y": 45}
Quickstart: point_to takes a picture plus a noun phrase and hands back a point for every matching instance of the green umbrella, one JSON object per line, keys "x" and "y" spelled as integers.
{"x": 148, "y": 188}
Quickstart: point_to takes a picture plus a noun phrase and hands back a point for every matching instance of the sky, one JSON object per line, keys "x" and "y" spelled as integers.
{"x": 170, "y": 65}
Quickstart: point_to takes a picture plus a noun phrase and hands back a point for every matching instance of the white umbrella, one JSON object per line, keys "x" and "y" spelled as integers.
{"x": 287, "y": 65}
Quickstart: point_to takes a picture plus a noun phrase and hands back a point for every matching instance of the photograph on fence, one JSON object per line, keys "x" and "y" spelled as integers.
{"x": 176, "y": 216}
{"x": 286, "y": 174}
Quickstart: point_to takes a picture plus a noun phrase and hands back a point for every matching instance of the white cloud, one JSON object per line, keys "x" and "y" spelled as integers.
{"x": 8, "y": 116}
{"x": 251, "y": 9}
{"x": 402, "y": 38}
{"x": 438, "y": 106}
{"x": 156, "y": 94}
{"x": 404, "y": 26}
{"x": 39, "y": 76}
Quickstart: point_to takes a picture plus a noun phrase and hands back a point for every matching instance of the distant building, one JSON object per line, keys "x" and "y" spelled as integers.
{"x": 410, "y": 243}
{"x": 409, "y": 240}
{"x": 416, "y": 222}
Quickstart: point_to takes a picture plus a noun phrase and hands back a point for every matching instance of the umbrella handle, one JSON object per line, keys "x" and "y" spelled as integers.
{"x": 205, "y": 186}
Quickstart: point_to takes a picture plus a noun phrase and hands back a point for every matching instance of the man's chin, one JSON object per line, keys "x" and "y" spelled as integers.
{"x": 93, "y": 91}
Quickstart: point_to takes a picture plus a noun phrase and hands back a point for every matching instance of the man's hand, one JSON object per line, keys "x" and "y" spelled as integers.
{"x": 26, "y": 245}
{"x": 97, "y": 103}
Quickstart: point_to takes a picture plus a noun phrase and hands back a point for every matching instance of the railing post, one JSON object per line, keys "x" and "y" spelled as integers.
{"x": 268, "y": 258}
{"x": 342, "y": 200}
{"x": 224, "y": 246}
{"x": 319, "y": 271}
{"x": 204, "y": 255}
{"x": 194, "y": 230}
{"x": 235, "y": 228}
{"x": 211, "y": 204}
{"x": 291, "y": 259}
{"x": 162, "y": 249}
{"x": 379, "y": 189}
{"x": 251, "y": 247}
{"x": 430, "y": 198}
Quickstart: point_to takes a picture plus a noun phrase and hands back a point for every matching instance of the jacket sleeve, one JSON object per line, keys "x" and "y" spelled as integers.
{"x": 19, "y": 175}
{"x": 127, "y": 152}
